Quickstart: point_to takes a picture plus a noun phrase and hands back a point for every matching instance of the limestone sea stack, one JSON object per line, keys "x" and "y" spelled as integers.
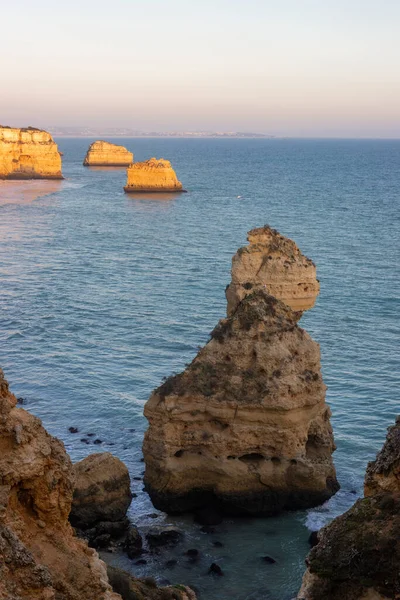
{"x": 153, "y": 175}
{"x": 245, "y": 428}
{"x": 273, "y": 262}
{"x": 358, "y": 554}
{"x": 28, "y": 154}
{"x": 105, "y": 154}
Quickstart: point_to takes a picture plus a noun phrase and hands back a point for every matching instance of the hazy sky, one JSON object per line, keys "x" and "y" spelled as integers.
{"x": 285, "y": 67}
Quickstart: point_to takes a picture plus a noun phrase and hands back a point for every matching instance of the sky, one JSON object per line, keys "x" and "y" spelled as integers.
{"x": 300, "y": 68}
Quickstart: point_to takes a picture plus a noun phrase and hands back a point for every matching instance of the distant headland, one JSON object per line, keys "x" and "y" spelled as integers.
{"x": 99, "y": 132}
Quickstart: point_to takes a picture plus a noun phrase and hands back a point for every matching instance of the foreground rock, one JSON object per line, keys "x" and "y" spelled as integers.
{"x": 104, "y": 154}
{"x": 132, "y": 588}
{"x": 28, "y": 154}
{"x": 245, "y": 428}
{"x": 39, "y": 555}
{"x": 102, "y": 490}
{"x": 274, "y": 263}
{"x": 154, "y": 175}
{"x": 357, "y": 556}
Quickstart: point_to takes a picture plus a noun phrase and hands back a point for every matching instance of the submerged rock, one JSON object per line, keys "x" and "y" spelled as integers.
{"x": 274, "y": 263}
{"x": 28, "y": 154}
{"x": 105, "y": 154}
{"x": 39, "y": 555}
{"x": 154, "y": 175}
{"x": 245, "y": 428}
{"x": 357, "y": 556}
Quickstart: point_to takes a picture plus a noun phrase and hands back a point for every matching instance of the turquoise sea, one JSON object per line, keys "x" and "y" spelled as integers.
{"x": 103, "y": 294}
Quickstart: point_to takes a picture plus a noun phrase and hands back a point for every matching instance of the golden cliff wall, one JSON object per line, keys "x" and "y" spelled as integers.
{"x": 105, "y": 154}
{"x": 28, "y": 154}
{"x": 152, "y": 175}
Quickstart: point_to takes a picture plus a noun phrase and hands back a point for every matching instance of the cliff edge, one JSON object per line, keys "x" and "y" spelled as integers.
{"x": 28, "y": 154}
{"x": 358, "y": 554}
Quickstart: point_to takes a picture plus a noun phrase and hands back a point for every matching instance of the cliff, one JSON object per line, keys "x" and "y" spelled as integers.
{"x": 245, "y": 428}
{"x": 28, "y": 154}
{"x": 358, "y": 555}
{"x": 152, "y": 176}
{"x": 274, "y": 263}
{"x": 104, "y": 154}
{"x": 40, "y": 557}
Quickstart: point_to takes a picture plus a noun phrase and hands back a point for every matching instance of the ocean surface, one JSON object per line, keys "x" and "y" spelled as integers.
{"x": 103, "y": 294}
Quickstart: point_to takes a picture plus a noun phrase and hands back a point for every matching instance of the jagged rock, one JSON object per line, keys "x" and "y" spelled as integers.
{"x": 28, "y": 154}
{"x": 274, "y": 263}
{"x": 102, "y": 490}
{"x": 104, "y": 154}
{"x": 154, "y": 175}
{"x": 132, "y": 588}
{"x": 133, "y": 542}
{"x": 245, "y": 428}
{"x": 383, "y": 474}
{"x": 357, "y": 556}
{"x": 40, "y": 558}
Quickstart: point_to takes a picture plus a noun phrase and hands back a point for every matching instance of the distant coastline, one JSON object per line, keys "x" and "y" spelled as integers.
{"x": 74, "y": 132}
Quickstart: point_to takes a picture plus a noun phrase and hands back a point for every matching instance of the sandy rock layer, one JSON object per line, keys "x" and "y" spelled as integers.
{"x": 28, "y": 154}
{"x": 105, "y": 154}
{"x": 274, "y": 263}
{"x": 154, "y": 175}
{"x": 245, "y": 428}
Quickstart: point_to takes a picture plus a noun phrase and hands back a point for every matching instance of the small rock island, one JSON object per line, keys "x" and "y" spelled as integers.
{"x": 105, "y": 154}
{"x": 28, "y": 153}
{"x": 153, "y": 175}
{"x": 245, "y": 429}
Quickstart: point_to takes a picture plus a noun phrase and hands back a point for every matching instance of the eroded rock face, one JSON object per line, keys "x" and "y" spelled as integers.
{"x": 132, "y": 588}
{"x": 245, "y": 427}
{"x": 104, "y": 154}
{"x": 358, "y": 555}
{"x": 40, "y": 558}
{"x": 274, "y": 263}
{"x": 154, "y": 175}
{"x": 28, "y": 154}
{"x": 102, "y": 490}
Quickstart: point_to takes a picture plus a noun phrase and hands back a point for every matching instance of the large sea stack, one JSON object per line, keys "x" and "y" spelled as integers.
{"x": 153, "y": 175}
{"x": 28, "y": 154}
{"x": 245, "y": 428}
{"x": 358, "y": 555}
{"x": 105, "y": 154}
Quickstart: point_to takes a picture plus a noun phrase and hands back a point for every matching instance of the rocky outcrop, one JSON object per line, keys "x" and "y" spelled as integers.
{"x": 28, "y": 154}
{"x": 40, "y": 558}
{"x": 245, "y": 428}
{"x": 154, "y": 175}
{"x": 102, "y": 490}
{"x": 104, "y": 154}
{"x": 132, "y": 588}
{"x": 274, "y": 263}
{"x": 102, "y": 496}
{"x": 358, "y": 555}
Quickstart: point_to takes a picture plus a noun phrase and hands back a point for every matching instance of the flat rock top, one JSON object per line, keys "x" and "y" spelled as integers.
{"x": 103, "y": 145}
{"x": 24, "y": 135}
{"x": 152, "y": 163}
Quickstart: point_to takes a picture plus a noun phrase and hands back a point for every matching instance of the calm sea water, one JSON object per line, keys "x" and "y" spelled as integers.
{"x": 103, "y": 294}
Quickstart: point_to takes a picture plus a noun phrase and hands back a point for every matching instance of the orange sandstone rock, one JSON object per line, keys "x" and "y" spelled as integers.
{"x": 274, "y": 263}
{"x": 104, "y": 154}
{"x": 28, "y": 154}
{"x": 154, "y": 175}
